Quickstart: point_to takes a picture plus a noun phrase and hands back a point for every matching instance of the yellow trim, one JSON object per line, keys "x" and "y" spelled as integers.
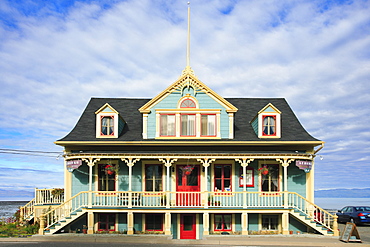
{"x": 104, "y": 106}
{"x": 187, "y": 110}
{"x": 267, "y": 106}
{"x": 200, "y": 143}
{"x": 181, "y": 83}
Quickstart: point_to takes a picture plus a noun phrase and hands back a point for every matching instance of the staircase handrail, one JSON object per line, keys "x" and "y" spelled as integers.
{"x": 28, "y": 210}
{"x": 317, "y": 213}
{"x": 63, "y": 210}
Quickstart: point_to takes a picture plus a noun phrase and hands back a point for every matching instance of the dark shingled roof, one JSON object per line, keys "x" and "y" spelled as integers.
{"x": 292, "y": 130}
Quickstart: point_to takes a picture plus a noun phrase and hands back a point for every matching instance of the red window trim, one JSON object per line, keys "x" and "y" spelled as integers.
{"x": 151, "y": 230}
{"x": 107, "y": 215}
{"x": 195, "y": 125}
{"x": 101, "y": 125}
{"x": 187, "y": 99}
{"x": 223, "y": 221}
{"x": 160, "y": 125}
{"x": 215, "y": 125}
{"x": 222, "y": 177}
{"x": 263, "y": 118}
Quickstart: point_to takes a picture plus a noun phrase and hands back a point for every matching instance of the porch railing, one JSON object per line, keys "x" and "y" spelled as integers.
{"x": 125, "y": 199}
{"x": 28, "y": 210}
{"x": 49, "y": 196}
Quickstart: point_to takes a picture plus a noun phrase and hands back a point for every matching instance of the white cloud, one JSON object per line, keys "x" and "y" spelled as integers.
{"x": 315, "y": 56}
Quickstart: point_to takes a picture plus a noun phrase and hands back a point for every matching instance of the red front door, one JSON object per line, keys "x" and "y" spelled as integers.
{"x": 188, "y": 183}
{"x": 187, "y": 226}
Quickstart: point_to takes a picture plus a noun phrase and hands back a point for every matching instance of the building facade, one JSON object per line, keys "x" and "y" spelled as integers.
{"x": 187, "y": 163}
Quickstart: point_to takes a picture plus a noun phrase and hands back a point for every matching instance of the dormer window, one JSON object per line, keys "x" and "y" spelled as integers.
{"x": 109, "y": 124}
{"x": 269, "y": 125}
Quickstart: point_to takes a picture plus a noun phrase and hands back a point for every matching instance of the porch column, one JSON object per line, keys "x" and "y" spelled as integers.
{"x": 244, "y": 223}
{"x": 167, "y": 223}
{"x": 244, "y": 162}
{"x": 90, "y": 162}
{"x": 130, "y": 223}
{"x": 206, "y": 163}
{"x": 285, "y": 163}
{"x": 168, "y": 163}
{"x": 285, "y": 223}
{"x": 130, "y": 163}
{"x": 90, "y": 222}
{"x": 205, "y": 224}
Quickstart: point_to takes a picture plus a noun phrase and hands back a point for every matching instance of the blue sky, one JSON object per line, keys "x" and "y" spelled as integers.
{"x": 55, "y": 55}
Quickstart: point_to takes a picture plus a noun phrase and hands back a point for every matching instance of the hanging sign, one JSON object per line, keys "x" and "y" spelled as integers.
{"x": 73, "y": 164}
{"x": 350, "y": 234}
{"x": 304, "y": 165}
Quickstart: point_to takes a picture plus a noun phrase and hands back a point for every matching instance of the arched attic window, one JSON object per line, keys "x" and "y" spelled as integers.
{"x": 188, "y": 103}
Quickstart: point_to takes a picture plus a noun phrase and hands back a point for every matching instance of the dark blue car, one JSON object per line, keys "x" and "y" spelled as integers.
{"x": 354, "y": 214}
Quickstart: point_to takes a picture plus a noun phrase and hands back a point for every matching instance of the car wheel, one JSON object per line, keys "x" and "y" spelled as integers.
{"x": 352, "y": 220}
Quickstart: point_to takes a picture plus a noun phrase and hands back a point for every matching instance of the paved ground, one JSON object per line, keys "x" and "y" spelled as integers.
{"x": 81, "y": 240}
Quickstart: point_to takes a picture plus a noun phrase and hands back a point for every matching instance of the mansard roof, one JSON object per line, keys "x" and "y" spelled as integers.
{"x": 128, "y": 108}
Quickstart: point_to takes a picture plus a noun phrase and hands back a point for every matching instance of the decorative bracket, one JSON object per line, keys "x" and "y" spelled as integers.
{"x": 206, "y": 162}
{"x": 167, "y": 161}
{"x": 244, "y": 162}
{"x": 285, "y": 161}
{"x": 91, "y": 161}
{"x": 130, "y": 161}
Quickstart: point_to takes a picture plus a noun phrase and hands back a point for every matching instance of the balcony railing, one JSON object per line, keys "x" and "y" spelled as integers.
{"x": 49, "y": 196}
{"x": 115, "y": 199}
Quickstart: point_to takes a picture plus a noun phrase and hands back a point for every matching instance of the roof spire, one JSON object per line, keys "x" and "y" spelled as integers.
{"x": 188, "y": 69}
{"x": 188, "y": 41}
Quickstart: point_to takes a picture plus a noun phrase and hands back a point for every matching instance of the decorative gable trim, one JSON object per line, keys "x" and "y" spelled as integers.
{"x": 185, "y": 81}
{"x": 269, "y": 108}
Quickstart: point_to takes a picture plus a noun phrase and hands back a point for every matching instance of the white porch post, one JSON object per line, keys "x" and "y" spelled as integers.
{"x": 167, "y": 223}
{"x": 285, "y": 163}
{"x": 168, "y": 163}
{"x": 244, "y": 223}
{"x": 90, "y": 162}
{"x": 206, "y": 163}
{"x": 205, "y": 223}
{"x": 244, "y": 162}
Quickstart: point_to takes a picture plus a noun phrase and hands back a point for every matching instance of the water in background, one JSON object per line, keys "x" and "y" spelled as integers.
{"x": 8, "y": 208}
{"x": 339, "y": 203}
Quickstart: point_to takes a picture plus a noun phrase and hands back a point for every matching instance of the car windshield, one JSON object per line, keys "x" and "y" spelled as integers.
{"x": 363, "y": 209}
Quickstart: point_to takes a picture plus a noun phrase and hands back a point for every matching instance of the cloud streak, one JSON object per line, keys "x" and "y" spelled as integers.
{"x": 316, "y": 54}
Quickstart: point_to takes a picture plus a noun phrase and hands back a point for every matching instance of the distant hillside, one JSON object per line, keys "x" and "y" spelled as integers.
{"x": 344, "y": 193}
{"x": 16, "y": 195}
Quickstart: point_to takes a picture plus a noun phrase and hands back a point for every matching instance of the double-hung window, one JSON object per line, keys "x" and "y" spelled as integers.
{"x": 187, "y": 125}
{"x": 107, "y": 126}
{"x": 106, "y": 222}
{"x": 208, "y": 125}
{"x": 222, "y": 177}
{"x": 269, "y": 125}
{"x": 154, "y": 222}
{"x": 270, "y": 180}
{"x": 222, "y": 222}
{"x": 167, "y": 127}
{"x": 153, "y": 178}
{"x": 106, "y": 177}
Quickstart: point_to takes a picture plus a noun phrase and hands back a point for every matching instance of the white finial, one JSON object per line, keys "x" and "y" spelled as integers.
{"x": 188, "y": 41}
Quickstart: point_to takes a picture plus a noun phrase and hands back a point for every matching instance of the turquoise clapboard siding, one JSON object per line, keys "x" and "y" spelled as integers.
{"x": 255, "y": 125}
{"x": 80, "y": 179}
{"x": 205, "y": 102}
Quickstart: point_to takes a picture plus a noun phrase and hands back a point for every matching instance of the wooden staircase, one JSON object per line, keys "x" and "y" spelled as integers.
{"x": 64, "y": 222}
{"x": 312, "y": 222}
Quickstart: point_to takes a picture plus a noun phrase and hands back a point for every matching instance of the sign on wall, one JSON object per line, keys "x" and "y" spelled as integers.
{"x": 73, "y": 164}
{"x": 304, "y": 165}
